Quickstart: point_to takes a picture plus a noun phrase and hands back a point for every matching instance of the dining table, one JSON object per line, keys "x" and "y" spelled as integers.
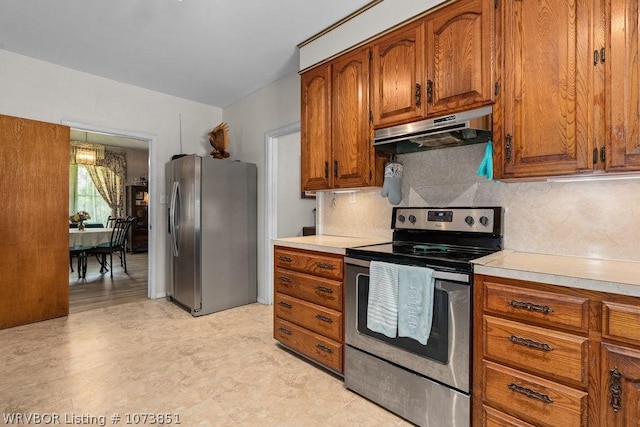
{"x": 82, "y": 240}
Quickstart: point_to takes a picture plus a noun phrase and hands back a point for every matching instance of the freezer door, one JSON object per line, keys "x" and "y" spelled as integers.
{"x": 184, "y": 232}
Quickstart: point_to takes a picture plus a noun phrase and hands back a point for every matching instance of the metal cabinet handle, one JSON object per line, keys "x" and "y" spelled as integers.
{"x": 615, "y": 389}
{"x": 335, "y": 169}
{"x": 324, "y": 348}
{"x": 324, "y": 318}
{"x": 284, "y": 330}
{"x": 418, "y": 94}
{"x": 596, "y": 57}
{"x": 324, "y": 289}
{"x": 284, "y": 258}
{"x": 529, "y": 393}
{"x": 325, "y": 266}
{"x": 429, "y": 91}
{"x": 595, "y": 156}
{"x": 530, "y": 343}
{"x": 285, "y": 279}
{"x": 326, "y": 169}
{"x": 603, "y": 154}
{"x": 507, "y": 147}
{"x": 284, "y": 304}
{"x": 530, "y": 306}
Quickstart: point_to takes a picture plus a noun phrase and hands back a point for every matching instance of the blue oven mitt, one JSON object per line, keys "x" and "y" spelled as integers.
{"x": 486, "y": 166}
{"x": 391, "y": 187}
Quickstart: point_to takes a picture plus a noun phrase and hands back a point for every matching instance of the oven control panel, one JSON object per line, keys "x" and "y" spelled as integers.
{"x": 473, "y": 219}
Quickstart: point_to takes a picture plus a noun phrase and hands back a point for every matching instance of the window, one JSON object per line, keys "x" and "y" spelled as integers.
{"x": 84, "y": 196}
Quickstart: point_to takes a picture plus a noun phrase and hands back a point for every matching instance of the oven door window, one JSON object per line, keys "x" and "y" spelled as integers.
{"x": 437, "y": 344}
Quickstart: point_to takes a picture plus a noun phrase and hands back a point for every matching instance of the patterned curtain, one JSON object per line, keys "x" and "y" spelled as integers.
{"x": 109, "y": 176}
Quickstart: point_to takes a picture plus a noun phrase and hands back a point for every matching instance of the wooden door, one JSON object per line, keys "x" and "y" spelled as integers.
{"x": 623, "y": 85}
{"x": 34, "y": 248}
{"x": 353, "y": 154}
{"x": 459, "y": 56}
{"x": 397, "y": 76}
{"x": 620, "y": 386}
{"x": 315, "y": 128}
{"x": 541, "y": 123}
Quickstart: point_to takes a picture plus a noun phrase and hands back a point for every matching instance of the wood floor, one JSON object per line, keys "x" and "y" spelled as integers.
{"x": 100, "y": 290}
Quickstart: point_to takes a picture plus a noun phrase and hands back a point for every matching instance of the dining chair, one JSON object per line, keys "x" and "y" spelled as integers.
{"x": 116, "y": 245}
{"x": 79, "y": 253}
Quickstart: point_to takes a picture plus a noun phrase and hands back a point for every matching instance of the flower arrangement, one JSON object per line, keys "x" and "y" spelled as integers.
{"x": 79, "y": 217}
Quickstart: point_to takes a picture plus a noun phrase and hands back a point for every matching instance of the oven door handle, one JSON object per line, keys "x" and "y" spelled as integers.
{"x": 439, "y": 275}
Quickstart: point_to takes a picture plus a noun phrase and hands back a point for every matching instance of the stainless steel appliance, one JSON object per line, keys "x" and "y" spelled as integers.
{"x": 212, "y": 233}
{"x": 428, "y": 385}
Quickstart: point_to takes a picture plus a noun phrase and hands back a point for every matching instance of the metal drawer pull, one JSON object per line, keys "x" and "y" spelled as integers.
{"x": 325, "y": 289}
{"x": 284, "y": 330}
{"x": 284, "y": 304}
{"x": 324, "y": 348}
{"x": 530, "y": 343}
{"x": 530, "y": 306}
{"x": 284, "y": 258}
{"x": 615, "y": 389}
{"x": 325, "y": 265}
{"x": 530, "y": 393}
{"x": 324, "y": 318}
{"x": 285, "y": 279}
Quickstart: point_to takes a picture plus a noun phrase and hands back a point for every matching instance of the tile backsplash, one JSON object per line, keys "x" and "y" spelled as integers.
{"x": 598, "y": 219}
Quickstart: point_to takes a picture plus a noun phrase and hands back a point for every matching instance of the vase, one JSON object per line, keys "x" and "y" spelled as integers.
{"x": 81, "y": 226}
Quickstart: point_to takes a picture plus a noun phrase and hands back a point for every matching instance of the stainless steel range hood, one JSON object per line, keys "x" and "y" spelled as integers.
{"x": 467, "y": 127}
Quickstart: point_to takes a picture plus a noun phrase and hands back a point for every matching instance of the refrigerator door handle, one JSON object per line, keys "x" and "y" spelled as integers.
{"x": 175, "y": 194}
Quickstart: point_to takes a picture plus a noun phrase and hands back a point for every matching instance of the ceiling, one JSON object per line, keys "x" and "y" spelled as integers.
{"x": 210, "y": 51}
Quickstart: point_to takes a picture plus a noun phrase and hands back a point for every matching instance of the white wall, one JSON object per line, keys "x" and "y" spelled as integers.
{"x": 42, "y": 91}
{"x": 249, "y": 119}
{"x": 598, "y": 219}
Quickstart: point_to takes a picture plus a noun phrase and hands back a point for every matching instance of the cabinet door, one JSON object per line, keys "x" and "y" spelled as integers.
{"x": 350, "y": 129}
{"x": 397, "y": 76}
{"x": 621, "y": 386}
{"x": 459, "y": 56}
{"x": 315, "y": 126}
{"x": 623, "y": 86}
{"x": 543, "y": 108}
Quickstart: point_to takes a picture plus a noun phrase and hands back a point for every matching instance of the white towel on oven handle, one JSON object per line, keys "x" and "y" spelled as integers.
{"x": 415, "y": 302}
{"x": 382, "y": 303}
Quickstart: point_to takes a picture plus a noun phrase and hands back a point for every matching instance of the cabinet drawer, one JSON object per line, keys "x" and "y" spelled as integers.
{"x": 493, "y": 418}
{"x": 621, "y": 322}
{"x": 533, "y": 399}
{"x": 316, "y": 347}
{"x": 310, "y": 316}
{"x": 553, "y": 354}
{"x": 535, "y": 306}
{"x": 314, "y": 289}
{"x": 309, "y": 262}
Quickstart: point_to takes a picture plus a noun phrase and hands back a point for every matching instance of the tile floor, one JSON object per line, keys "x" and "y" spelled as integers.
{"x": 222, "y": 369}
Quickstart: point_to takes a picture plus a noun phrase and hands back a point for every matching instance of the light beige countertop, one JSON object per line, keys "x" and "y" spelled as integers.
{"x": 326, "y": 243}
{"x": 619, "y": 277}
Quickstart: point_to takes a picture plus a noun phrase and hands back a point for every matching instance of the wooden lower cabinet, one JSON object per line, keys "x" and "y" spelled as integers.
{"x": 308, "y": 305}
{"x": 548, "y": 355}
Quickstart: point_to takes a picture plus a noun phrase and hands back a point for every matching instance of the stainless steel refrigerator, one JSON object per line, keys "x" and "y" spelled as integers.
{"x": 212, "y": 230}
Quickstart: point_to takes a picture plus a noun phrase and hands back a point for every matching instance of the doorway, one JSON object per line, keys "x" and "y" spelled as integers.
{"x": 286, "y": 211}
{"x": 123, "y": 138}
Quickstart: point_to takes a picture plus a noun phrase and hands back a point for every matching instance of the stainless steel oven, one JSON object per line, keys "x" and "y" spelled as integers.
{"x": 429, "y": 385}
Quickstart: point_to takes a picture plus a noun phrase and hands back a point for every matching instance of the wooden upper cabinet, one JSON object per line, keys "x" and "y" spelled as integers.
{"x": 541, "y": 117}
{"x": 315, "y": 125}
{"x": 397, "y": 76}
{"x": 623, "y": 86}
{"x": 353, "y": 154}
{"x": 459, "y": 57}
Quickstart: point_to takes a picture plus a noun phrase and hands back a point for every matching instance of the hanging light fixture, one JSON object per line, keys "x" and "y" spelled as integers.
{"x": 85, "y": 153}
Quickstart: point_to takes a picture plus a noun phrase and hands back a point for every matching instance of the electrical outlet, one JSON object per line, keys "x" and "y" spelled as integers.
{"x": 163, "y": 199}
{"x": 352, "y": 197}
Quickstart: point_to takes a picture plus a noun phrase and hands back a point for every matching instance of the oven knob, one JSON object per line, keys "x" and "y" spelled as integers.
{"x": 412, "y": 219}
{"x": 484, "y": 220}
{"x": 469, "y": 220}
{"x": 401, "y": 218}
